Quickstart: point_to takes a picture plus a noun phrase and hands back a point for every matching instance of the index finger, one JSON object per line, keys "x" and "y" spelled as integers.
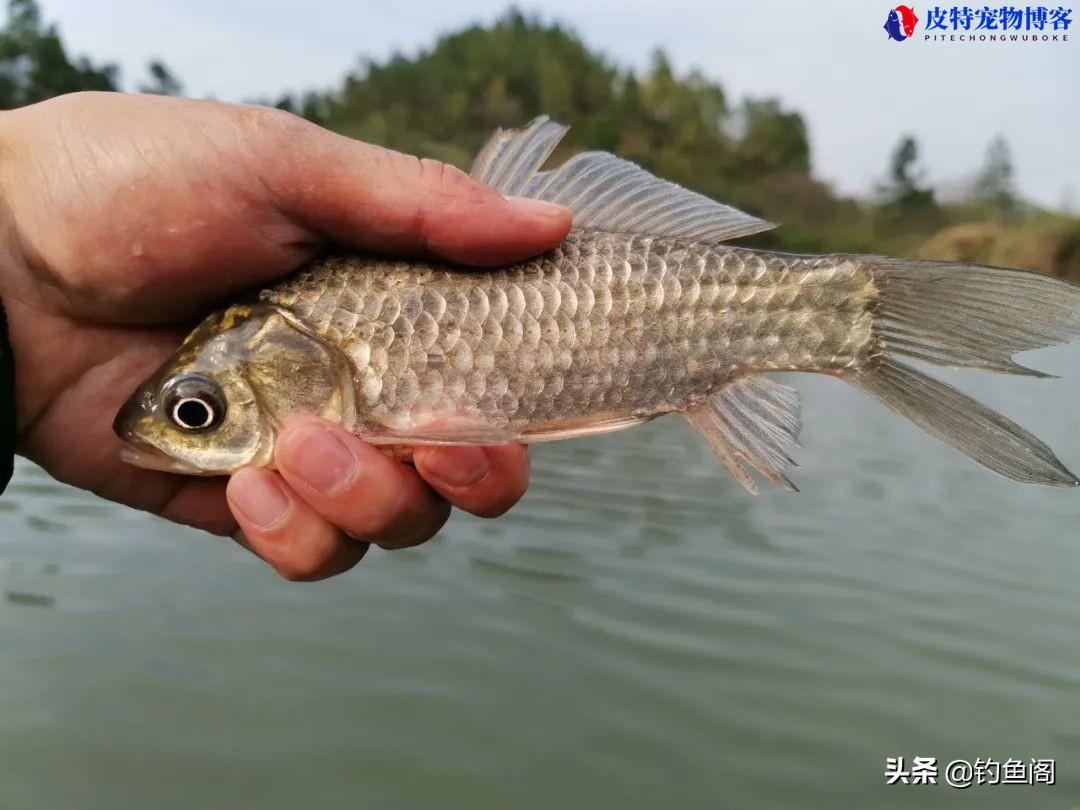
{"x": 374, "y": 198}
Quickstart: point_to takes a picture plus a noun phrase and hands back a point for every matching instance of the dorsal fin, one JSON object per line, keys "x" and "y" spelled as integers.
{"x": 603, "y": 191}
{"x": 511, "y": 157}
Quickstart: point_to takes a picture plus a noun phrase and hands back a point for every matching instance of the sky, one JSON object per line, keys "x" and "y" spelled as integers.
{"x": 831, "y": 60}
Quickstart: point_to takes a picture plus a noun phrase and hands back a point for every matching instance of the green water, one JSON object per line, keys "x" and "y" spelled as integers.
{"x": 638, "y": 633}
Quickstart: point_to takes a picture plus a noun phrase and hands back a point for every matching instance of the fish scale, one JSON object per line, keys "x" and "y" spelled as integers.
{"x": 605, "y": 322}
{"x": 641, "y": 310}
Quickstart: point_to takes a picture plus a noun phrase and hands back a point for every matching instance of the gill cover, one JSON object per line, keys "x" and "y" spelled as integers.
{"x": 265, "y": 367}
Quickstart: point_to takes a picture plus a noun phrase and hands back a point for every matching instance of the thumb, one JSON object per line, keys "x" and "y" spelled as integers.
{"x": 374, "y": 198}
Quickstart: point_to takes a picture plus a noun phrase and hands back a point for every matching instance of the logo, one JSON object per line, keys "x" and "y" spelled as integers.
{"x": 1003, "y": 24}
{"x": 900, "y": 24}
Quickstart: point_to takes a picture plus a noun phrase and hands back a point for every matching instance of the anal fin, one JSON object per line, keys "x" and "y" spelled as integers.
{"x": 752, "y": 420}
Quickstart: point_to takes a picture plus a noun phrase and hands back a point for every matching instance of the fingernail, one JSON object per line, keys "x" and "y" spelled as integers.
{"x": 456, "y": 466}
{"x": 257, "y": 495}
{"x": 538, "y": 208}
{"x": 318, "y": 457}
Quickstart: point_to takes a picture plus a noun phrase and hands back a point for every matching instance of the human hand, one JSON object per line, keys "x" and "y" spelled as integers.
{"x": 125, "y": 218}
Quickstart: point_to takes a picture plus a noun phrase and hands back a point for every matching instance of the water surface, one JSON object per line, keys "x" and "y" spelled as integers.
{"x": 637, "y": 633}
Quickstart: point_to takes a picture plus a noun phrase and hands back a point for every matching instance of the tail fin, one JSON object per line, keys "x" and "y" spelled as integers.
{"x": 967, "y": 316}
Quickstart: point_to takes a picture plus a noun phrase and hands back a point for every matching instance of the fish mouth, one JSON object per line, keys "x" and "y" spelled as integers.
{"x": 150, "y": 458}
{"x": 139, "y": 410}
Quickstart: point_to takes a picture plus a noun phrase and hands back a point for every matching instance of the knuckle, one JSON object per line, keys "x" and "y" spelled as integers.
{"x": 450, "y": 181}
{"x": 271, "y": 127}
{"x": 81, "y": 98}
{"x": 272, "y": 119}
{"x": 433, "y": 173}
{"x": 442, "y": 188}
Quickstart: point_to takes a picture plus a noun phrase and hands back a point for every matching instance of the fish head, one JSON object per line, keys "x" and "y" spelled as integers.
{"x": 218, "y": 403}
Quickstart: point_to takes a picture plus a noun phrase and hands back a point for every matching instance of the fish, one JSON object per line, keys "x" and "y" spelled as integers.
{"x": 900, "y": 24}
{"x": 908, "y": 20}
{"x": 893, "y": 26}
{"x": 644, "y": 310}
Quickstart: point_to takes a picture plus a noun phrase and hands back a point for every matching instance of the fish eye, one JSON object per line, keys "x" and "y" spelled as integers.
{"x": 194, "y": 403}
{"x": 193, "y": 414}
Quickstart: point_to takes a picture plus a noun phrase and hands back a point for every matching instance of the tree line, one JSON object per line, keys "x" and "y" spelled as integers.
{"x": 444, "y": 102}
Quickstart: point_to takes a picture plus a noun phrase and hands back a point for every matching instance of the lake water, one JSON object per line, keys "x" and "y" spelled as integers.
{"x": 637, "y": 633}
